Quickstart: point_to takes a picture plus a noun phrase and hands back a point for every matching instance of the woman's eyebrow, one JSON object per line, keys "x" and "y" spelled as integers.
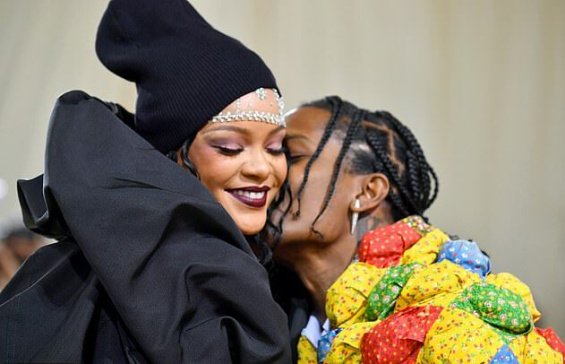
{"x": 237, "y": 129}
{"x": 228, "y": 128}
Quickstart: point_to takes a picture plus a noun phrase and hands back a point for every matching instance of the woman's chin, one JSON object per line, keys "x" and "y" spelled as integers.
{"x": 250, "y": 226}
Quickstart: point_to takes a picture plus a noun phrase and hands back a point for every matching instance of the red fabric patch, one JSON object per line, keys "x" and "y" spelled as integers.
{"x": 552, "y": 340}
{"x": 399, "y": 338}
{"x": 384, "y": 247}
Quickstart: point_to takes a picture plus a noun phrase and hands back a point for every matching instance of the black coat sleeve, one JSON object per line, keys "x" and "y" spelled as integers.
{"x": 232, "y": 317}
{"x": 181, "y": 275}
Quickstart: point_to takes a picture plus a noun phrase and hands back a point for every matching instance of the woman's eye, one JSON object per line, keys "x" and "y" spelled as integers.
{"x": 228, "y": 150}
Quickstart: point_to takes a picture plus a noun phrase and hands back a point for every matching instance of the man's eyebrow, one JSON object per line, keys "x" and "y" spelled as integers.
{"x": 295, "y": 137}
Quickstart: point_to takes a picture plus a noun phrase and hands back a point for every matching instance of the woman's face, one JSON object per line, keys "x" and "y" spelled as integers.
{"x": 305, "y": 127}
{"x": 243, "y": 165}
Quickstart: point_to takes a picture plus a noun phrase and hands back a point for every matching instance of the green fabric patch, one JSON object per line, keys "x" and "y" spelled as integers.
{"x": 382, "y": 298}
{"x": 504, "y": 310}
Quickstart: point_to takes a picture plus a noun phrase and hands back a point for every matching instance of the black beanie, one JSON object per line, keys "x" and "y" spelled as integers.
{"x": 185, "y": 71}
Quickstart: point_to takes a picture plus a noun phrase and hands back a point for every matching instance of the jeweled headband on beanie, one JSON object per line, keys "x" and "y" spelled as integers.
{"x": 186, "y": 72}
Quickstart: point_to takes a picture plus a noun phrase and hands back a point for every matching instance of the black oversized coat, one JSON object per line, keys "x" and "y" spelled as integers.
{"x": 148, "y": 267}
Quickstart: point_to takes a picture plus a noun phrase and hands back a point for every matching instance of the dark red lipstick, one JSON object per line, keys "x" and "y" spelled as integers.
{"x": 253, "y": 196}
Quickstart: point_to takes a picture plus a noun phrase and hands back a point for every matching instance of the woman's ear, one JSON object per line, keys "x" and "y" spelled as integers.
{"x": 179, "y": 158}
{"x": 185, "y": 163}
{"x": 374, "y": 190}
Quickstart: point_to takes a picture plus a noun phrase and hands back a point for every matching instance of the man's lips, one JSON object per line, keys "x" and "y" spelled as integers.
{"x": 254, "y": 196}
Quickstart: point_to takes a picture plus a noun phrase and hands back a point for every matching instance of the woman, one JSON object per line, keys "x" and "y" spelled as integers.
{"x": 381, "y": 285}
{"x": 152, "y": 263}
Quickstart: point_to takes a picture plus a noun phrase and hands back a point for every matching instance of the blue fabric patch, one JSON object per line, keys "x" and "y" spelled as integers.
{"x": 466, "y": 254}
{"x": 504, "y": 355}
{"x": 325, "y": 344}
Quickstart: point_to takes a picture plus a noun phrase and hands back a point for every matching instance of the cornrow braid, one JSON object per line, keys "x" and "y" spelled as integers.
{"x": 422, "y": 174}
{"x": 413, "y": 178}
{"x": 393, "y": 174}
{"x": 351, "y": 132}
{"x": 396, "y": 201}
{"x": 335, "y": 102}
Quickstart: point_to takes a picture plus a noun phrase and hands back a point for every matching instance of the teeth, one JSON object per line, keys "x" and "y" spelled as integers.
{"x": 250, "y": 195}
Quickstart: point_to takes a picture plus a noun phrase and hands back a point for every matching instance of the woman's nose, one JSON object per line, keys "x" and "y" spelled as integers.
{"x": 258, "y": 166}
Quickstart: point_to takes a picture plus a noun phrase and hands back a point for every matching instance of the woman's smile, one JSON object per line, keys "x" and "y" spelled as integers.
{"x": 253, "y": 196}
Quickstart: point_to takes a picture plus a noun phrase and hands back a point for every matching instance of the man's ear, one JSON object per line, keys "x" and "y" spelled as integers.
{"x": 374, "y": 190}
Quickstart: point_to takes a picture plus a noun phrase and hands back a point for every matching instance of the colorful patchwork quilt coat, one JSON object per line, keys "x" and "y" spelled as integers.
{"x": 417, "y": 296}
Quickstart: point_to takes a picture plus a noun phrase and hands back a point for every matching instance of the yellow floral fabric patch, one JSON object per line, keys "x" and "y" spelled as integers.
{"x": 346, "y": 299}
{"x": 436, "y": 284}
{"x": 459, "y": 337}
{"x": 533, "y": 349}
{"x": 307, "y": 353}
{"x": 346, "y": 347}
{"x": 425, "y": 251}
